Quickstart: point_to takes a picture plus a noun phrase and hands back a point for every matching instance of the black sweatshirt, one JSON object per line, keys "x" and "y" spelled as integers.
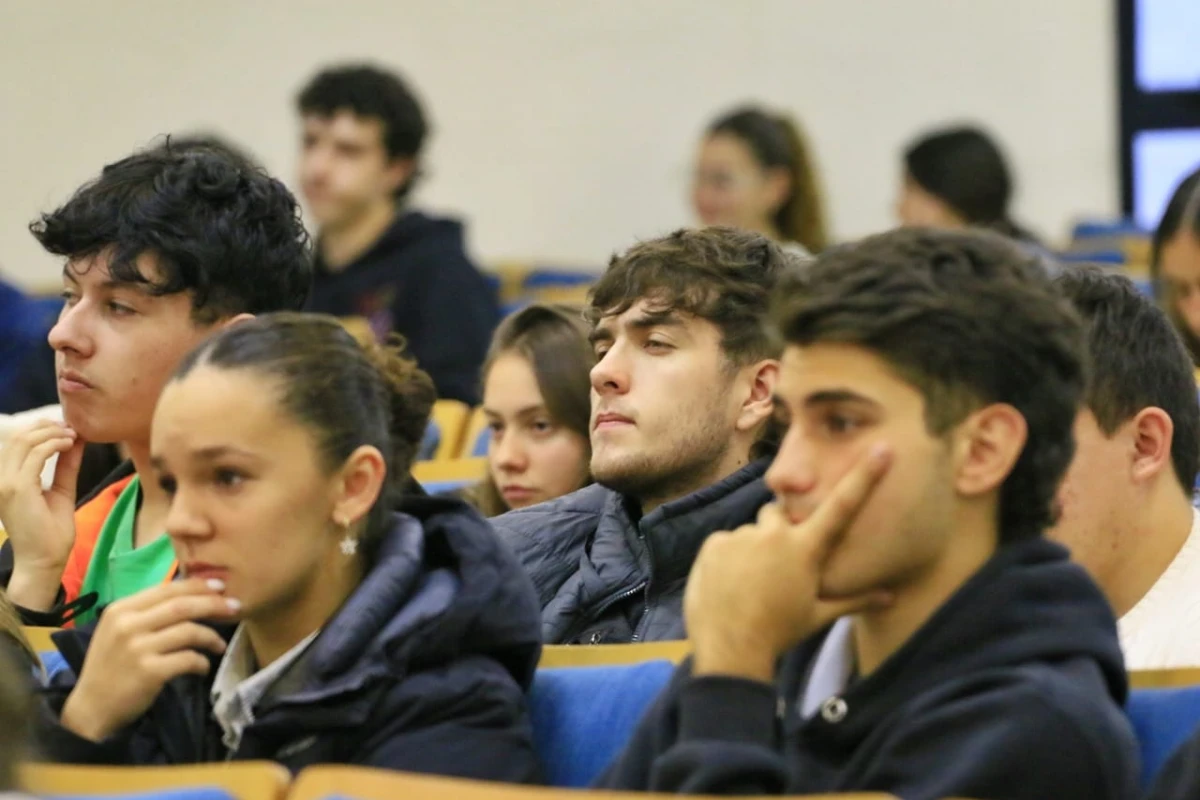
{"x": 1013, "y": 689}
{"x": 418, "y": 281}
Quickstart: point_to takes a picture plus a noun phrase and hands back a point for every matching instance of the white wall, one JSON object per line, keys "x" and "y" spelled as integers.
{"x": 564, "y": 128}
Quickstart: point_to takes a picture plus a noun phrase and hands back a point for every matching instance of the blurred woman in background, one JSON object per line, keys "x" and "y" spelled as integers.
{"x": 755, "y": 171}
{"x": 1175, "y": 261}
{"x": 958, "y": 178}
{"x": 537, "y": 398}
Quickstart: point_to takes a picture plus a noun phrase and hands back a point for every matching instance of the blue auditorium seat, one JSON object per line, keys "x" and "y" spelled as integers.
{"x": 480, "y": 446}
{"x": 1112, "y": 257}
{"x": 430, "y": 441}
{"x": 1095, "y": 229}
{"x": 53, "y": 662}
{"x": 1163, "y": 719}
{"x": 583, "y": 716}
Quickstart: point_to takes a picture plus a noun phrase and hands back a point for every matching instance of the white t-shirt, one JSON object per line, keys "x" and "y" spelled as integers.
{"x": 1163, "y": 630}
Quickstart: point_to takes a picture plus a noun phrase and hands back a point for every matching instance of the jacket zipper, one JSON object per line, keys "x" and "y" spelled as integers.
{"x": 605, "y": 606}
{"x": 637, "y": 633}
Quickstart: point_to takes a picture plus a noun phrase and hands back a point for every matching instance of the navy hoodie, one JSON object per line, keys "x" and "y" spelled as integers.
{"x": 1013, "y": 689}
{"x": 423, "y": 669}
{"x": 417, "y": 281}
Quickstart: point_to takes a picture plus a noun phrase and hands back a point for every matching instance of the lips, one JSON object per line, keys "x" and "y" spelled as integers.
{"x": 512, "y": 493}
{"x": 199, "y": 569}
{"x": 610, "y": 420}
{"x": 70, "y": 381}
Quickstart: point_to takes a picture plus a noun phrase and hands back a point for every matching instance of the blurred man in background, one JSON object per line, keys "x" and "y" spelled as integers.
{"x": 401, "y": 270}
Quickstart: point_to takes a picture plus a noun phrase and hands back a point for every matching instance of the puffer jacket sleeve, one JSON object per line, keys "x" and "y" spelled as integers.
{"x": 549, "y": 539}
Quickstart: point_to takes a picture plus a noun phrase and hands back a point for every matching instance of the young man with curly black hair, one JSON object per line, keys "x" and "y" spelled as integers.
{"x": 162, "y": 249}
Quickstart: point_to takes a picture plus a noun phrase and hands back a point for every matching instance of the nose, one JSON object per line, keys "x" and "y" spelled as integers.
{"x": 792, "y": 475}
{"x": 611, "y": 373}
{"x": 71, "y": 333}
{"x": 314, "y": 163}
{"x": 509, "y": 454}
{"x": 185, "y": 521}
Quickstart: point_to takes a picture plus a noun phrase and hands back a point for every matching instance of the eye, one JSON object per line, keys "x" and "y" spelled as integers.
{"x": 167, "y": 484}
{"x": 542, "y": 427}
{"x": 120, "y": 309}
{"x": 228, "y": 478}
{"x": 600, "y": 350}
{"x": 841, "y": 424}
{"x": 70, "y": 297}
{"x": 657, "y": 344}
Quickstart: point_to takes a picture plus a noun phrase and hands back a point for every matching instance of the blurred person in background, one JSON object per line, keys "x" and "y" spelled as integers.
{"x": 1175, "y": 262}
{"x": 958, "y": 178}
{"x": 12, "y": 639}
{"x": 18, "y": 664}
{"x": 24, "y": 323}
{"x": 537, "y": 398}
{"x": 362, "y": 135}
{"x": 756, "y": 171}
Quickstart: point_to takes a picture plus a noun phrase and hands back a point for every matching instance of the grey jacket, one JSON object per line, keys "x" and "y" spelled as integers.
{"x": 601, "y": 577}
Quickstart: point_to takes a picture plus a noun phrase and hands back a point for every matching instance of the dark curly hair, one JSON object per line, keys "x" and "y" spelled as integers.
{"x": 371, "y": 93}
{"x": 219, "y": 228}
{"x": 968, "y": 319}
{"x": 346, "y": 393}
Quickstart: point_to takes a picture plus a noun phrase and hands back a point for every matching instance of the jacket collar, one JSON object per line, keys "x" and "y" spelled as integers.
{"x": 661, "y": 547}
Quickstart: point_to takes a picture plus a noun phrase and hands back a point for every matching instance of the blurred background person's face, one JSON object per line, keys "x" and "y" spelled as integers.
{"x": 1179, "y": 271}
{"x": 917, "y": 207}
{"x": 731, "y": 188}
{"x": 345, "y": 171}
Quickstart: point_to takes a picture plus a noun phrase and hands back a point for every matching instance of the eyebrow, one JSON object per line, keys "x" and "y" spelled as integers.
{"x": 649, "y": 319}
{"x": 109, "y": 284}
{"x": 827, "y": 396}
{"x": 521, "y": 412}
{"x": 207, "y": 454}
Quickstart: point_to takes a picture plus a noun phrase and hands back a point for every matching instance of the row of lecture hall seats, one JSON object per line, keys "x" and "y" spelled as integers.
{"x": 518, "y": 284}
{"x": 258, "y": 780}
{"x": 586, "y": 701}
{"x": 1119, "y": 244}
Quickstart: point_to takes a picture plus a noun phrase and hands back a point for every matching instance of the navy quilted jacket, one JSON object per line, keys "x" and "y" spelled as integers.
{"x": 423, "y": 669}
